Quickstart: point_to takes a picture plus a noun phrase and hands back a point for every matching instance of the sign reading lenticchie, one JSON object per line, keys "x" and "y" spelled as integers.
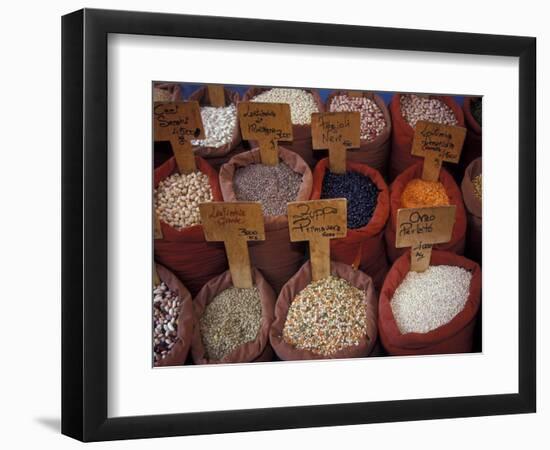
{"x": 318, "y": 221}
{"x": 420, "y": 228}
{"x": 266, "y": 123}
{"x": 234, "y": 223}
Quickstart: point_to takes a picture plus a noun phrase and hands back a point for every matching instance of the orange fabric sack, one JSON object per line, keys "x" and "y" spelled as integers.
{"x": 231, "y": 97}
{"x": 458, "y": 238}
{"x": 473, "y": 211}
{"x": 301, "y": 134}
{"x": 178, "y": 354}
{"x": 453, "y": 337}
{"x": 186, "y": 253}
{"x": 295, "y": 285}
{"x": 364, "y": 247}
{"x": 376, "y": 152}
{"x": 403, "y": 133}
{"x": 276, "y": 257}
{"x": 254, "y": 351}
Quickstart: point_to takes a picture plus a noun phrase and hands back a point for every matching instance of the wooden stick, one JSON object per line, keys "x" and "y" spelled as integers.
{"x": 239, "y": 262}
{"x": 319, "y": 250}
{"x": 420, "y": 257}
{"x": 269, "y": 152}
{"x": 185, "y": 158}
{"x": 216, "y": 94}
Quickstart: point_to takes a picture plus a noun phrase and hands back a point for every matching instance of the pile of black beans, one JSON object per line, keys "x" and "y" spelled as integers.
{"x": 360, "y": 192}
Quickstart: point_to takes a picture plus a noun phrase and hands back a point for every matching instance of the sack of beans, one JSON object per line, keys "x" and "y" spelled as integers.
{"x": 430, "y": 312}
{"x": 172, "y": 320}
{"x": 409, "y": 191}
{"x": 244, "y": 178}
{"x": 221, "y": 124}
{"x": 232, "y": 324}
{"x": 166, "y": 92}
{"x": 472, "y": 143}
{"x": 375, "y": 127}
{"x": 471, "y": 192}
{"x": 335, "y": 317}
{"x": 368, "y": 207}
{"x": 406, "y": 110}
{"x": 303, "y": 102}
{"x": 183, "y": 248}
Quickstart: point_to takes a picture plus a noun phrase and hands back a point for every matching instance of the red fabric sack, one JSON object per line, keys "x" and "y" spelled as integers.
{"x": 301, "y": 134}
{"x": 178, "y": 354}
{"x": 186, "y": 253}
{"x": 295, "y": 285}
{"x": 473, "y": 211}
{"x": 403, "y": 133}
{"x": 458, "y": 238}
{"x": 472, "y": 143}
{"x": 376, "y": 152}
{"x": 254, "y": 351}
{"x": 276, "y": 257}
{"x": 453, "y": 337}
{"x": 362, "y": 248}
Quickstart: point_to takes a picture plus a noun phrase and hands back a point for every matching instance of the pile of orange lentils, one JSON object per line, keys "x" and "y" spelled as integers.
{"x": 421, "y": 194}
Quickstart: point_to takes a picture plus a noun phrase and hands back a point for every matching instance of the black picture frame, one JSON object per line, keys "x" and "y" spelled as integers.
{"x": 84, "y": 224}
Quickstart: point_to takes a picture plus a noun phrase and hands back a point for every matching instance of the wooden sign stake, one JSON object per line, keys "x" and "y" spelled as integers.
{"x": 421, "y": 228}
{"x": 437, "y": 143}
{"x": 179, "y": 123}
{"x": 216, "y": 94}
{"x": 234, "y": 223}
{"x": 267, "y": 123}
{"x": 318, "y": 221}
{"x": 156, "y": 278}
{"x": 336, "y": 131}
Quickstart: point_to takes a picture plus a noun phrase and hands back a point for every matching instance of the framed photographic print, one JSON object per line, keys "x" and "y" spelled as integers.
{"x": 280, "y": 223}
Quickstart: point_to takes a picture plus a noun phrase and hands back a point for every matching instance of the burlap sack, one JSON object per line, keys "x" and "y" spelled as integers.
{"x": 231, "y": 97}
{"x": 403, "y": 134}
{"x": 376, "y": 152}
{"x": 301, "y": 139}
{"x": 276, "y": 257}
{"x": 364, "y": 247}
{"x": 473, "y": 211}
{"x": 453, "y": 337}
{"x": 186, "y": 252}
{"x": 458, "y": 238}
{"x": 295, "y": 285}
{"x": 178, "y": 354}
{"x": 254, "y": 351}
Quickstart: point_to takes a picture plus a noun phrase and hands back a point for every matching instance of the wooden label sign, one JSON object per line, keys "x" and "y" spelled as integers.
{"x": 318, "y": 221}
{"x": 216, "y": 95}
{"x": 437, "y": 143}
{"x": 234, "y": 223}
{"x": 266, "y": 123}
{"x": 336, "y": 131}
{"x": 355, "y": 94}
{"x": 179, "y": 123}
{"x": 420, "y": 228}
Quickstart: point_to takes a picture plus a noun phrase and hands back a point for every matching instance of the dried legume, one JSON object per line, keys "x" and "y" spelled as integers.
{"x": 219, "y": 124}
{"x": 427, "y": 300}
{"x": 272, "y": 186}
{"x": 230, "y": 320}
{"x": 326, "y": 316}
{"x": 422, "y": 194}
{"x": 477, "y": 186}
{"x": 475, "y": 108}
{"x": 359, "y": 191}
{"x": 177, "y": 198}
{"x": 372, "y": 117}
{"x": 415, "y": 108}
{"x": 161, "y": 95}
{"x": 166, "y": 306}
{"x": 302, "y": 103}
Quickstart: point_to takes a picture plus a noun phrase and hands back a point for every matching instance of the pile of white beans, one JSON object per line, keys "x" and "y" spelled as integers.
{"x": 219, "y": 125}
{"x": 302, "y": 103}
{"x": 177, "y": 199}
{"x": 415, "y": 108}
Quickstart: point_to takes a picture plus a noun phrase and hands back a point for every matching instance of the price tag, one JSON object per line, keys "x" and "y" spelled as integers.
{"x": 336, "y": 131}
{"x": 437, "y": 143}
{"x": 318, "y": 221}
{"x": 420, "y": 228}
{"x": 216, "y": 95}
{"x": 179, "y": 123}
{"x": 234, "y": 223}
{"x": 266, "y": 123}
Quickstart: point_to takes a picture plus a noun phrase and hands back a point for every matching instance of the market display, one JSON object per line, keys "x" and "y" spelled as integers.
{"x": 290, "y": 254}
